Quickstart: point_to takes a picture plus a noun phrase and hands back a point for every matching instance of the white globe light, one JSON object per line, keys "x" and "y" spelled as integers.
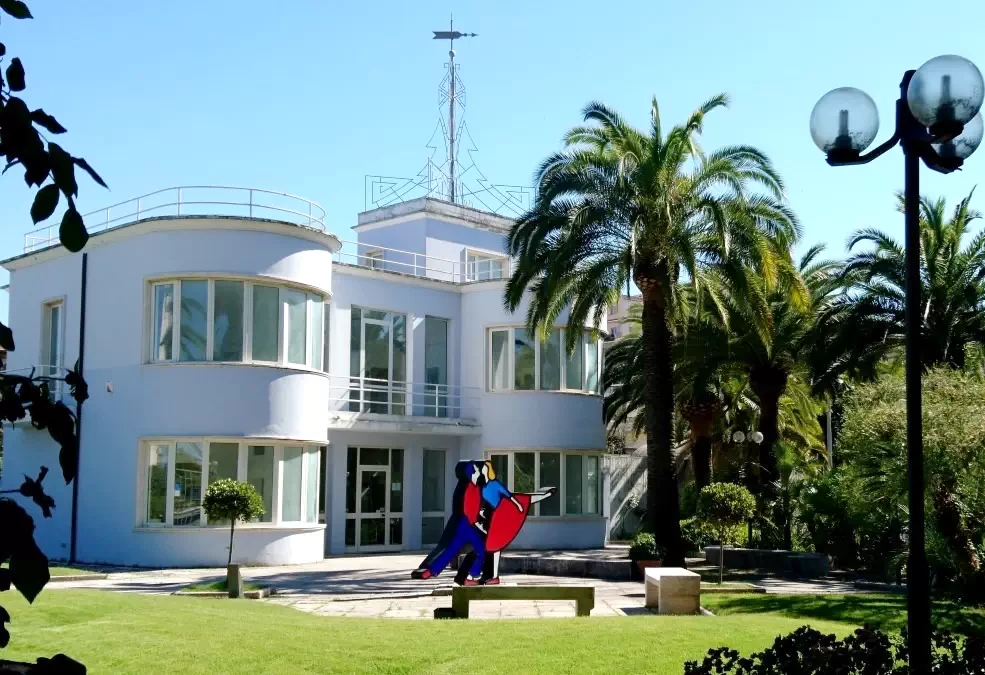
{"x": 964, "y": 143}
{"x": 945, "y": 93}
{"x": 739, "y": 437}
{"x": 756, "y": 437}
{"x": 844, "y": 122}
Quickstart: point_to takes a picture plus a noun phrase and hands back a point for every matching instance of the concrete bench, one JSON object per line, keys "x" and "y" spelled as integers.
{"x": 673, "y": 590}
{"x": 461, "y": 596}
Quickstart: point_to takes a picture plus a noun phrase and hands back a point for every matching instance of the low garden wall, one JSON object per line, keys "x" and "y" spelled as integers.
{"x": 778, "y": 562}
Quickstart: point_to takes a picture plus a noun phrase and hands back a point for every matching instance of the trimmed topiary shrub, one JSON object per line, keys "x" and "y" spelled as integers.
{"x": 227, "y": 499}
{"x": 722, "y": 507}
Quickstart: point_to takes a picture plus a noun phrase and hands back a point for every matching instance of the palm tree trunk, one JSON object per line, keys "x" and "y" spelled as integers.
{"x": 662, "y": 503}
{"x": 701, "y": 454}
{"x": 768, "y": 383}
{"x": 769, "y": 412}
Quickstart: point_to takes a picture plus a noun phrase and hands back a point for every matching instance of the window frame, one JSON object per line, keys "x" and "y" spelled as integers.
{"x": 312, "y": 296}
{"x": 485, "y": 256}
{"x": 562, "y": 489}
{"x": 56, "y": 364}
{"x": 538, "y": 346}
{"x": 276, "y": 521}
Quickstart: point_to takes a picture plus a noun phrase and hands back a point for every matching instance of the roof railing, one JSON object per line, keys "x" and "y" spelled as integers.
{"x": 370, "y": 256}
{"x": 192, "y": 200}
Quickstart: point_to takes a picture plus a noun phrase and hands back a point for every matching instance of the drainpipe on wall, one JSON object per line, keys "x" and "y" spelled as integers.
{"x": 78, "y": 410}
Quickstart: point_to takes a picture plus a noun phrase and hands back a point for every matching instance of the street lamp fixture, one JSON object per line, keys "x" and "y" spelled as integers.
{"x": 754, "y": 436}
{"x": 937, "y": 122}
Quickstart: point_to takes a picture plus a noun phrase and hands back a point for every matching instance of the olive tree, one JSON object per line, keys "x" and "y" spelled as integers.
{"x": 722, "y": 506}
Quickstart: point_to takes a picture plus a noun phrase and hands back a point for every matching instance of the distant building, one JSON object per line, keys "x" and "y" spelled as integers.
{"x": 618, "y": 321}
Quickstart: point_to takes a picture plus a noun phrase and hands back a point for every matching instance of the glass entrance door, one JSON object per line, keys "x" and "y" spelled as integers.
{"x": 373, "y": 488}
{"x": 374, "y": 519}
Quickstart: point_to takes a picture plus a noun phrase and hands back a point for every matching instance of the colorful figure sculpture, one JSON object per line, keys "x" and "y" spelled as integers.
{"x": 486, "y": 517}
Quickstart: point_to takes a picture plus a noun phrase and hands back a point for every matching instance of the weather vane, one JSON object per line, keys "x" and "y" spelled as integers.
{"x": 451, "y": 35}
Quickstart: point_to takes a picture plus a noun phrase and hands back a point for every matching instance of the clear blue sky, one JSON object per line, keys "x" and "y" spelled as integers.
{"x": 309, "y": 96}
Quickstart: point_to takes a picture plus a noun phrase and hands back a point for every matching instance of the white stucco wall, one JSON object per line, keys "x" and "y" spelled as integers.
{"x": 166, "y": 400}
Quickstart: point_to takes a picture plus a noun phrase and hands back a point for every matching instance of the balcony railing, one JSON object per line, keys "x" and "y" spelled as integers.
{"x": 192, "y": 200}
{"x": 408, "y": 399}
{"x": 415, "y": 264}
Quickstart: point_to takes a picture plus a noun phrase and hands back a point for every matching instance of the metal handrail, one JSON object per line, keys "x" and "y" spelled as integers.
{"x": 416, "y": 264}
{"x": 397, "y": 397}
{"x": 311, "y": 214}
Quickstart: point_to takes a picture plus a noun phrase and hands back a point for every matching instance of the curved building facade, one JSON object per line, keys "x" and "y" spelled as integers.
{"x": 343, "y": 380}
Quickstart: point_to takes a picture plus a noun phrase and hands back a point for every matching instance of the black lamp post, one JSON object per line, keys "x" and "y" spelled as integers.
{"x": 937, "y": 121}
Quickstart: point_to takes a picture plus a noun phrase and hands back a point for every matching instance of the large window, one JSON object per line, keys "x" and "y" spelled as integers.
{"x": 178, "y": 472}
{"x": 484, "y": 266}
{"x": 52, "y": 342}
{"x": 234, "y": 321}
{"x": 378, "y": 362}
{"x": 575, "y": 476}
{"x": 517, "y": 361}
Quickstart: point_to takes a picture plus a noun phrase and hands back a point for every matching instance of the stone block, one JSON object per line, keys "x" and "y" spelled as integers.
{"x": 677, "y": 590}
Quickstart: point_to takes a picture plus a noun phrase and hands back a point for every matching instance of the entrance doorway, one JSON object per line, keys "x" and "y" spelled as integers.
{"x": 374, "y": 500}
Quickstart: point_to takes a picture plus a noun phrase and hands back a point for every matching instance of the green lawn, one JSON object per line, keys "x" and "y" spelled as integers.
{"x": 886, "y": 611}
{"x": 56, "y": 571}
{"x": 219, "y": 586}
{"x": 130, "y": 633}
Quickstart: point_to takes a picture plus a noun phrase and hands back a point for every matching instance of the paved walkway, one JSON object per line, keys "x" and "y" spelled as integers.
{"x": 380, "y": 586}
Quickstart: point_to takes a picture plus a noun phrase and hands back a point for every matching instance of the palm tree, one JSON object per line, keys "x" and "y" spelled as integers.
{"x": 773, "y": 350}
{"x": 619, "y": 204}
{"x": 952, "y": 292}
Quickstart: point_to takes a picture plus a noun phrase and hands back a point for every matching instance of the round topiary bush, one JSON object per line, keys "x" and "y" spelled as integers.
{"x": 722, "y": 506}
{"x": 227, "y": 499}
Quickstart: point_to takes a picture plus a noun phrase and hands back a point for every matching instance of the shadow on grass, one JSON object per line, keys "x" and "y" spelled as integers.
{"x": 884, "y": 611}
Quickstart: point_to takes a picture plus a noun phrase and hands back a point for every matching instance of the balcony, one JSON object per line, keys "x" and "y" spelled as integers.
{"x": 368, "y": 404}
{"x": 192, "y": 200}
{"x": 369, "y": 256}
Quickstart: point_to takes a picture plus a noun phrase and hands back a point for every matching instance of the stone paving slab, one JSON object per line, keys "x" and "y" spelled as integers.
{"x": 380, "y": 586}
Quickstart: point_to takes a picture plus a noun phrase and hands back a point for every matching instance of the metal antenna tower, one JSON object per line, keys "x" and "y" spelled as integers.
{"x": 451, "y": 35}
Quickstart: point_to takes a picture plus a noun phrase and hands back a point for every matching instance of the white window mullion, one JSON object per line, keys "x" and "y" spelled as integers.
{"x": 209, "y": 323}
{"x": 242, "y": 458}
{"x": 169, "y": 495}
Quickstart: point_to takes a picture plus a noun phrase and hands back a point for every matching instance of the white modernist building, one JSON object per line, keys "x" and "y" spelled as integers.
{"x": 232, "y": 336}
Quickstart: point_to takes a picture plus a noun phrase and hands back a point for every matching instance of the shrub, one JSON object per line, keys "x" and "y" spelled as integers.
{"x": 722, "y": 507}
{"x": 697, "y": 534}
{"x": 858, "y": 514}
{"x": 227, "y": 499}
{"x": 867, "y": 651}
{"x": 644, "y": 547}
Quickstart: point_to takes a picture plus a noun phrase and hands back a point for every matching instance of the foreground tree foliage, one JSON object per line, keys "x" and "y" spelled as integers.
{"x": 228, "y": 499}
{"x": 46, "y": 165}
{"x": 621, "y": 204}
{"x": 865, "y": 652}
{"x": 858, "y": 512}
